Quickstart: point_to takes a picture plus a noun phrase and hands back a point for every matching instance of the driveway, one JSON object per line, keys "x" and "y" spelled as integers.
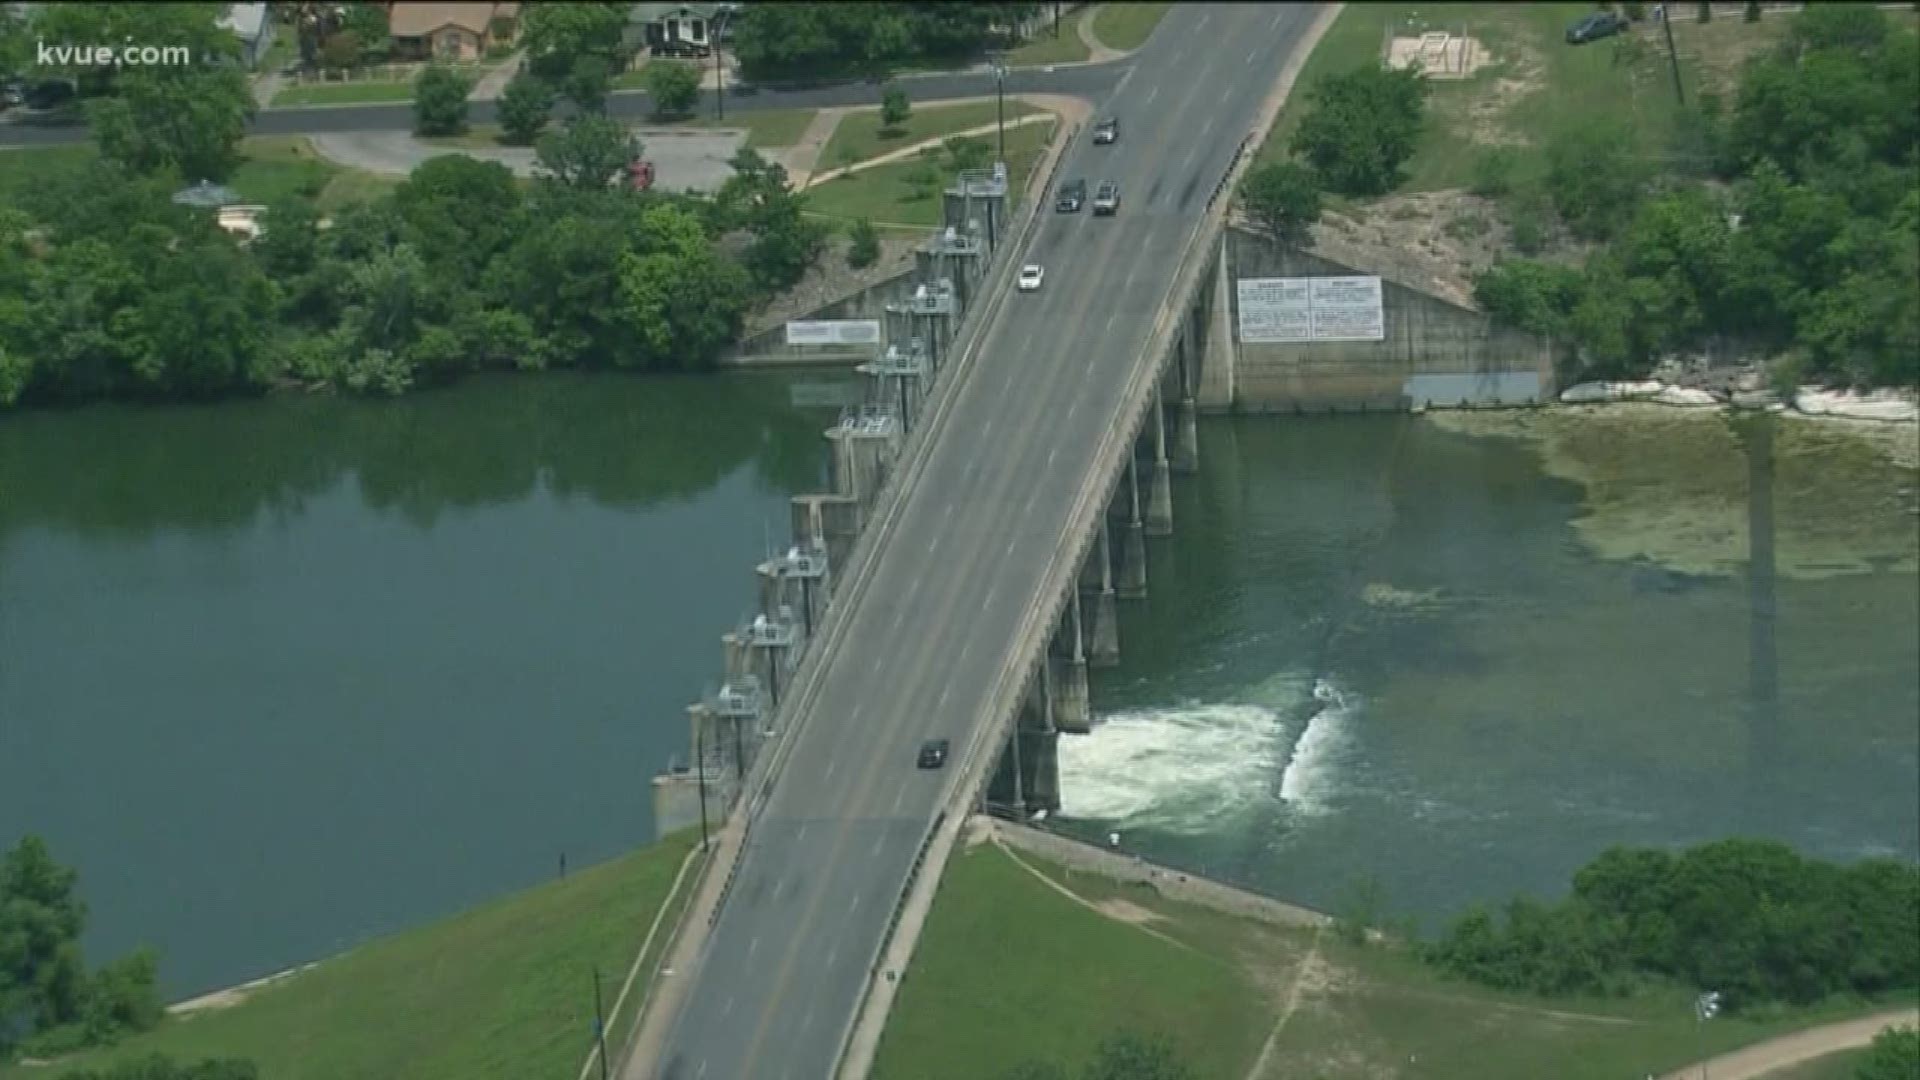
{"x": 680, "y": 160}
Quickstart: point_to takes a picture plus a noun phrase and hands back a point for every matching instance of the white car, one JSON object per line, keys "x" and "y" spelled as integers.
{"x": 1030, "y": 277}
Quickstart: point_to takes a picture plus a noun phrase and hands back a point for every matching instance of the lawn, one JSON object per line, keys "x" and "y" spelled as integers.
{"x": 890, "y": 194}
{"x": 1536, "y": 86}
{"x": 1840, "y": 1066}
{"x": 344, "y": 93}
{"x": 1046, "y": 47}
{"x": 1126, "y": 26}
{"x": 858, "y": 136}
{"x": 503, "y": 991}
{"x": 272, "y": 167}
{"x": 765, "y": 128}
{"x": 1009, "y": 969}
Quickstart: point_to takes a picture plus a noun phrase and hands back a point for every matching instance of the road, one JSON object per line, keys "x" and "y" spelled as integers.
{"x": 1083, "y": 80}
{"x": 783, "y": 971}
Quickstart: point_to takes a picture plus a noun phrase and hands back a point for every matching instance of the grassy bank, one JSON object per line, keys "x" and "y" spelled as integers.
{"x": 370, "y": 92}
{"x": 910, "y": 192}
{"x": 1126, "y": 27}
{"x": 503, "y": 991}
{"x": 860, "y": 135}
{"x": 272, "y": 167}
{"x": 1011, "y": 969}
{"x": 1045, "y": 47}
{"x": 765, "y": 129}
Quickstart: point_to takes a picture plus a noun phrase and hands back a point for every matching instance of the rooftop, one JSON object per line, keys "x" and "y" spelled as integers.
{"x": 415, "y": 19}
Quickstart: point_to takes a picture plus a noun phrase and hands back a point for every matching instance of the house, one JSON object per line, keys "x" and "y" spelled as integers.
{"x": 422, "y": 31}
{"x": 679, "y": 29}
{"x": 253, "y": 25}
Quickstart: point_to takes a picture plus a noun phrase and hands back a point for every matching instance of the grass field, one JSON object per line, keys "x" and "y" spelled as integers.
{"x": 858, "y": 136}
{"x": 1536, "y": 85}
{"x": 1840, "y": 1066}
{"x": 1009, "y": 969}
{"x": 502, "y": 992}
{"x": 345, "y": 93}
{"x": 273, "y": 167}
{"x": 765, "y": 128}
{"x": 888, "y": 194}
{"x": 1046, "y": 48}
{"x": 1126, "y": 26}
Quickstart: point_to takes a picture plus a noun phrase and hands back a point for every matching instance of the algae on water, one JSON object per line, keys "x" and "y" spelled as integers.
{"x": 1672, "y": 485}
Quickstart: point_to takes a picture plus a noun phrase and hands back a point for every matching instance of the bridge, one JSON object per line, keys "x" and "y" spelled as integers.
{"x": 985, "y": 575}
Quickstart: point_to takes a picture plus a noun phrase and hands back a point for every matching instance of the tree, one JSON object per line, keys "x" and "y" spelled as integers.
{"x": 1594, "y": 178}
{"x": 342, "y": 50}
{"x": 681, "y": 298}
{"x": 576, "y": 47}
{"x": 586, "y": 83}
{"x": 1126, "y": 1056}
{"x": 863, "y": 248}
{"x": 588, "y": 153}
{"x": 673, "y": 88}
{"x": 1894, "y": 1055}
{"x": 756, "y": 198}
{"x": 42, "y": 977}
{"x": 894, "y": 108}
{"x": 440, "y": 101}
{"x": 1361, "y": 127}
{"x": 459, "y": 212}
{"x": 367, "y": 21}
{"x": 1284, "y": 198}
{"x": 524, "y": 108}
{"x": 187, "y": 118}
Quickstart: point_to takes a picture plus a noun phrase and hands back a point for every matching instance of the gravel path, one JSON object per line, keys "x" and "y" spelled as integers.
{"x": 1762, "y": 1059}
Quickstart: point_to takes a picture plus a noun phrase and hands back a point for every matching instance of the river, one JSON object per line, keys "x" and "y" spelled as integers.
{"x": 278, "y": 676}
{"x": 1391, "y": 655}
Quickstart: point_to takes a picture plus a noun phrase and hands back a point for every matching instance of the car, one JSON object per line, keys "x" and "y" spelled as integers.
{"x": 1030, "y": 277}
{"x": 933, "y": 753}
{"x": 1107, "y": 132}
{"x": 1600, "y": 24}
{"x": 1071, "y": 197}
{"x": 1106, "y": 201}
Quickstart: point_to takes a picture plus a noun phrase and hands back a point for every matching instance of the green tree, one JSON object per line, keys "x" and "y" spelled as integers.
{"x": 366, "y": 20}
{"x": 1284, "y": 197}
{"x": 1595, "y": 178}
{"x": 673, "y": 88}
{"x": 16, "y": 44}
{"x": 525, "y": 105}
{"x": 459, "y": 212}
{"x": 1361, "y": 127}
{"x": 440, "y": 101}
{"x": 1678, "y": 253}
{"x": 863, "y": 247}
{"x": 342, "y": 50}
{"x": 185, "y": 118}
{"x": 1127, "y": 1056}
{"x": 586, "y": 83}
{"x": 756, "y": 198}
{"x": 681, "y": 298}
{"x": 42, "y": 976}
{"x": 576, "y": 47}
{"x": 588, "y": 153}
{"x": 895, "y": 108}
{"x": 1894, "y": 1055}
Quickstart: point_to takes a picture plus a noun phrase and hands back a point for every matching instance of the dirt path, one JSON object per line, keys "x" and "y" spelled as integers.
{"x": 904, "y": 152}
{"x": 1762, "y": 1059}
{"x": 1118, "y": 911}
{"x": 801, "y": 157}
{"x": 1083, "y": 25}
{"x": 1294, "y": 989}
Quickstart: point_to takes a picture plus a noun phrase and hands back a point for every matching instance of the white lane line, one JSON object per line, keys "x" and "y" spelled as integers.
{"x": 1275, "y": 24}
{"x": 898, "y": 798}
{"x": 833, "y": 953}
{"x": 944, "y": 691}
{"x": 967, "y": 645}
{"x": 855, "y": 906}
{"x": 727, "y": 1007}
{"x": 1073, "y": 407}
{"x": 944, "y": 517}
{"x": 800, "y": 833}
{"x": 1202, "y": 24}
{"x": 1227, "y": 98}
{"x": 1150, "y": 95}
{"x": 986, "y": 428}
{"x": 937, "y": 534}
{"x": 1252, "y": 56}
{"x": 1110, "y": 319}
{"x": 1130, "y": 276}
{"x": 1011, "y": 544}
{"x": 832, "y": 764}
{"x": 878, "y": 843}
{"x": 898, "y": 618}
{"x": 1051, "y": 454}
{"x": 753, "y": 947}
{"x": 702, "y": 1071}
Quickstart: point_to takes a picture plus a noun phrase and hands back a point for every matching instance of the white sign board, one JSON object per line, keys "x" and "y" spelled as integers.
{"x": 837, "y": 332}
{"x": 1284, "y": 310}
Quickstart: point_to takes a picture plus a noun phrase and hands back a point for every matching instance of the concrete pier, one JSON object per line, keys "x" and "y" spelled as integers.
{"x": 1186, "y": 437}
{"x": 1103, "y": 645}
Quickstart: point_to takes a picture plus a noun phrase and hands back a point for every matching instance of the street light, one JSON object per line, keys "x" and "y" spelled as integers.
{"x": 1000, "y": 101}
{"x": 714, "y": 27}
{"x": 1705, "y": 1008}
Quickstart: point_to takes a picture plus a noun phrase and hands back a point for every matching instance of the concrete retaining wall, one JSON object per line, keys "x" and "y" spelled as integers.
{"x": 769, "y": 347}
{"x": 1435, "y": 352}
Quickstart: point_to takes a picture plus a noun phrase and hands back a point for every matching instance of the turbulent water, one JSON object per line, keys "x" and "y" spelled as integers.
{"x": 1380, "y": 651}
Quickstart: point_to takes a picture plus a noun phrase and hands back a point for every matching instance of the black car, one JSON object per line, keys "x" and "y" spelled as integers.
{"x": 1106, "y": 201}
{"x": 1071, "y": 197}
{"x": 933, "y": 753}
{"x": 1107, "y": 131}
{"x": 1598, "y": 25}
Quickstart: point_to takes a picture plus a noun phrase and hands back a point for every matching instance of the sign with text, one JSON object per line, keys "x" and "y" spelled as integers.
{"x": 1277, "y": 311}
{"x": 835, "y": 332}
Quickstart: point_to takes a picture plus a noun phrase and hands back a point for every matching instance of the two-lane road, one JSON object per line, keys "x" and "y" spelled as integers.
{"x": 783, "y": 971}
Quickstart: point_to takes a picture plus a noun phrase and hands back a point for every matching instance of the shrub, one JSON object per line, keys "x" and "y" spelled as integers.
{"x": 673, "y": 88}
{"x": 1361, "y": 127}
{"x": 525, "y": 105}
{"x": 864, "y": 247}
{"x": 1594, "y": 178}
{"x": 1284, "y": 197}
{"x": 894, "y": 109}
{"x": 1528, "y": 220}
{"x": 1753, "y": 11}
{"x": 440, "y": 101}
{"x": 1493, "y": 172}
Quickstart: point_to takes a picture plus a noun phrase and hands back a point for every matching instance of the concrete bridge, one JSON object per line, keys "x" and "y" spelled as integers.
{"x": 992, "y": 505}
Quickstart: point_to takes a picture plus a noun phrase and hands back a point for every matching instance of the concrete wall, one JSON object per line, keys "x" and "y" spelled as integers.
{"x": 1435, "y": 352}
{"x": 770, "y": 346}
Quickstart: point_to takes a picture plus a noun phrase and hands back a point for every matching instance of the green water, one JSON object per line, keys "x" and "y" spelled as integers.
{"x": 1378, "y": 650}
{"x": 278, "y": 676}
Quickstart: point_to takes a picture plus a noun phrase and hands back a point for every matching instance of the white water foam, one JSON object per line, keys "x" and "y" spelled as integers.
{"x": 1188, "y": 769}
{"x": 1308, "y": 782}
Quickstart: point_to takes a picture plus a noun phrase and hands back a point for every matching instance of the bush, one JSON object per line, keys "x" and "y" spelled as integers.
{"x": 525, "y": 105}
{"x": 1361, "y": 127}
{"x": 1753, "y": 11}
{"x": 1894, "y": 1055}
{"x": 673, "y": 88}
{"x": 1533, "y": 296}
{"x": 1529, "y": 215}
{"x": 440, "y": 101}
{"x": 1594, "y": 178}
{"x": 863, "y": 250}
{"x": 1493, "y": 172}
{"x": 894, "y": 109}
{"x": 1284, "y": 197}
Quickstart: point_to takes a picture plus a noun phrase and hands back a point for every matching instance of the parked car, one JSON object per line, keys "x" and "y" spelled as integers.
{"x": 933, "y": 753}
{"x": 1106, "y": 201}
{"x": 1107, "y": 131}
{"x": 1600, "y": 24}
{"x": 1071, "y": 197}
{"x": 1030, "y": 277}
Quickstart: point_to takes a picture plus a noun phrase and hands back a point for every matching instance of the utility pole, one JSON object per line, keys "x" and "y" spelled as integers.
{"x": 1000, "y": 101}
{"x": 1673, "y": 56}
{"x": 599, "y": 1023}
{"x": 719, "y": 75}
{"x": 700, "y": 777}
{"x": 739, "y": 755}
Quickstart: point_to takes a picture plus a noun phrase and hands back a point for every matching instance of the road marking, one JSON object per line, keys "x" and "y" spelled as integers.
{"x": 1150, "y": 95}
{"x": 702, "y": 1071}
{"x": 1110, "y": 319}
{"x": 1251, "y": 57}
{"x": 986, "y": 427}
{"x": 1051, "y": 454}
{"x": 945, "y": 516}
{"x": 937, "y": 534}
{"x": 832, "y": 764}
{"x": 753, "y": 947}
{"x": 944, "y": 691}
{"x": 1275, "y": 24}
{"x": 855, "y": 906}
{"x": 898, "y": 798}
{"x": 898, "y": 619}
{"x": 1073, "y": 407}
{"x": 1130, "y": 276}
{"x": 1202, "y": 24}
{"x": 801, "y": 833}
{"x": 967, "y": 645}
{"x": 878, "y": 843}
{"x": 833, "y": 953}
{"x": 1011, "y": 544}
{"x": 728, "y": 1007}
{"x": 1227, "y": 98}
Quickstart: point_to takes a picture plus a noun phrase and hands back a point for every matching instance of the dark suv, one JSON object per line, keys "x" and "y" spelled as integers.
{"x": 1107, "y": 131}
{"x": 1106, "y": 201}
{"x": 1598, "y": 25}
{"x": 1071, "y": 197}
{"x": 933, "y": 753}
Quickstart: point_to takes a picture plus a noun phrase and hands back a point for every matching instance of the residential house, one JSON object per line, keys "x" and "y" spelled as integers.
{"x": 422, "y": 31}
{"x": 679, "y": 29}
{"x": 253, "y": 25}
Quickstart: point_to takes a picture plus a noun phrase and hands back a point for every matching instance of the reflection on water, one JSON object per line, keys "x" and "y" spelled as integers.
{"x": 280, "y": 675}
{"x": 1375, "y": 648}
